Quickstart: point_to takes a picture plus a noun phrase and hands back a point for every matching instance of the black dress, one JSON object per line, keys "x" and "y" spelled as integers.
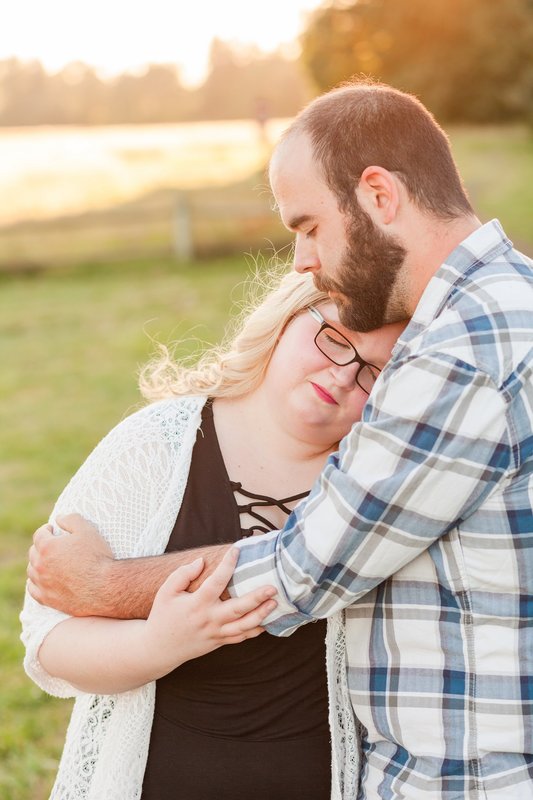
{"x": 247, "y": 721}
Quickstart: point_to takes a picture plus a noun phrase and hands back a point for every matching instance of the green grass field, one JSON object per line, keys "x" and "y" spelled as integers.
{"x": 71, "y": 342}
{"x": 496, "y": 164}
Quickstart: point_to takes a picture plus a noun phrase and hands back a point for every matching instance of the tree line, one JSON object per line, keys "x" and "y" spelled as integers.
{"x": 467, "y": 60}
{"x": 239, "y": 84}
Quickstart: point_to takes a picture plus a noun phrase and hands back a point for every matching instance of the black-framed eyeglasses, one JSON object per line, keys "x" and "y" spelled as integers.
{"x": 335, "y": 346}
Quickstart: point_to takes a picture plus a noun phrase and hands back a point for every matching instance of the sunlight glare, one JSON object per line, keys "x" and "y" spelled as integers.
{"x": 116, "y": 36}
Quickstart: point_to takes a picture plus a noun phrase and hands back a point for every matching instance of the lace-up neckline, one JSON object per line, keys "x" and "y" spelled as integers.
{"x": 262, "y": 501}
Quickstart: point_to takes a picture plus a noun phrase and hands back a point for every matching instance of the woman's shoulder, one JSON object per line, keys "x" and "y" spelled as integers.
{"x": 165, "y": 424}
{"x": 166, "y": 418}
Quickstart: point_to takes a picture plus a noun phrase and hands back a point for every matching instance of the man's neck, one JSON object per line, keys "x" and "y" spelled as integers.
{"x": 434, "y": 241}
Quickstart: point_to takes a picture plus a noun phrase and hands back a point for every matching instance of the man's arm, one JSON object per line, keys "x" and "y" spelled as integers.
{"x": 76, "y": 572}
{"x": 427, "y": 458}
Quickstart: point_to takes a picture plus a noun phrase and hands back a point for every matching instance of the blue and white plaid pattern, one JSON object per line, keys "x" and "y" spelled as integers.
{"x": 421, "y": 527}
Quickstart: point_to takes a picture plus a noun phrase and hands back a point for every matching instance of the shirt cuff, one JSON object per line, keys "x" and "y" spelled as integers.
{"x": 258, "y": 565}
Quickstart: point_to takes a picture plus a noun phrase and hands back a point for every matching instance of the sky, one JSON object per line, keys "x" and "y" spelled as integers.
{"x": 118, "y": 35}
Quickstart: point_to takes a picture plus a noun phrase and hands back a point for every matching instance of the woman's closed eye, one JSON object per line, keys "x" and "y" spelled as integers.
{"x": 333, "y": 340}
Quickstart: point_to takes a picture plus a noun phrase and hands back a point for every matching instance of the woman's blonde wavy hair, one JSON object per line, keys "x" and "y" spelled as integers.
{"x": 238, "y": 365}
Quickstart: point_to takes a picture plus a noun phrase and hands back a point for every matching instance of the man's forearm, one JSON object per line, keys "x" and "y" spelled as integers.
{"x": 129, "y": 585}
{"x": 77, "y": 574}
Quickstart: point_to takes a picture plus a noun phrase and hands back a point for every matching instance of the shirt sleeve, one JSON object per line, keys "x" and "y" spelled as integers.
{"x": 433, "y": 445}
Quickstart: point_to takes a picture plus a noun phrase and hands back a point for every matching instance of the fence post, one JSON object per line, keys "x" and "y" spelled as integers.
{"x": 182, "y": 229}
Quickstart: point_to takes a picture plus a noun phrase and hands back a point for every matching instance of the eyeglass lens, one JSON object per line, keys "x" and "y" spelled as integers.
{"x": 335, "y": 346}
{"x": 339, "y": 350}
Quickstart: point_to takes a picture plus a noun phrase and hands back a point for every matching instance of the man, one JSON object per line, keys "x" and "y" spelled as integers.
{"x": 421, "y": 526}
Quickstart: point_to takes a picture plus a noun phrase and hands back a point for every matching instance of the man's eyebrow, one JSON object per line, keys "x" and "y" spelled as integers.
{"x": 296, "y": 222}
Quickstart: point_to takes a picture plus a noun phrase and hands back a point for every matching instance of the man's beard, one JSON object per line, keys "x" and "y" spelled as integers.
{"x": 366, "y": 287}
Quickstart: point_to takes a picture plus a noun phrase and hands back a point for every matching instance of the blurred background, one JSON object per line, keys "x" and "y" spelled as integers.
{"x": 134, "y": 203}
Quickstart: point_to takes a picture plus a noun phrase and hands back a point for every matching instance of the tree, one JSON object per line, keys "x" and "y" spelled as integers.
{"x": 238, "y": 79}
{"x": 468, "y": 60}
{"x": 154, "y": 95}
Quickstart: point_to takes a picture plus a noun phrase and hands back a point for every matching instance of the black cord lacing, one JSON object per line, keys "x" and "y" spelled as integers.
{"x": 263, "y": 501}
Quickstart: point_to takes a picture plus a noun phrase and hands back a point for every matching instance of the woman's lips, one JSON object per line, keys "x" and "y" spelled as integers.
{"x": 323, "y": 394}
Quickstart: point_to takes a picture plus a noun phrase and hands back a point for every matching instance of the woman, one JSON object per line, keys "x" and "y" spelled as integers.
{"x": 252, "y": 718}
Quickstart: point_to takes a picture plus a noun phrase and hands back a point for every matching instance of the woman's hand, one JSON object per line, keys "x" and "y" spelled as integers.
{"x": 183, "y": 625}
{"x": 105, "y": 656}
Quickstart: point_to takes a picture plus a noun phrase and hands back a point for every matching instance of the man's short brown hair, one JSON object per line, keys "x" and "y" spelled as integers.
{"x": 361, "y": 124}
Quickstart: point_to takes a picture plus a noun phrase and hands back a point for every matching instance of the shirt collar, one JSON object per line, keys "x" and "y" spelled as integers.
{"x": 479, "y": 248}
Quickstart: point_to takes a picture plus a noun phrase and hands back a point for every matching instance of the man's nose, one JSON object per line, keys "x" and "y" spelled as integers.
{"x": 345, "y": 376}
{"x": 305, "y": 255}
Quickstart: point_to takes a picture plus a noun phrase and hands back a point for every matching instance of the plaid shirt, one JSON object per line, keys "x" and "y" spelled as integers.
{"x": 421, "y": 527}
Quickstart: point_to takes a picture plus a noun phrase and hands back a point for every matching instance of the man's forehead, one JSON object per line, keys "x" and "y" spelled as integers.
{"x": 291, "y": 154}
{"x": 300, "y": 193}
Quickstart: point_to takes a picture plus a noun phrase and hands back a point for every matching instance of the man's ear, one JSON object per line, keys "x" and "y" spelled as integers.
{"x": 378, "y": 194}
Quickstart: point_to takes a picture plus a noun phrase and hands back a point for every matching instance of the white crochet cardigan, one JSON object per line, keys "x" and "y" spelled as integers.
{"x": 131, "y": 487}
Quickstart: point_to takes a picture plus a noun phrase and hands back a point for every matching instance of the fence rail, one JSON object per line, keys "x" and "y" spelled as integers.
{"x": 183, "y": 225}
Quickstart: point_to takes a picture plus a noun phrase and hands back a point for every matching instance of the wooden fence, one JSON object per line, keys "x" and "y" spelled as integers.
{"x": 184, "y": 225}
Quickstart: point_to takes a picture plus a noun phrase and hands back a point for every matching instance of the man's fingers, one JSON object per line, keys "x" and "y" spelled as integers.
{"x": 36, "y": 586}
{"x": 249, "y": 621}
{"x": 42, "y": 533}
{"x": 34, "y": 591}
{"x": 33, "y": 555}
{"x": 75, "y": 523}
{"x": 31, "y": 572}
{"x": 179, "y": 580}
{"x": 33, "y": 569}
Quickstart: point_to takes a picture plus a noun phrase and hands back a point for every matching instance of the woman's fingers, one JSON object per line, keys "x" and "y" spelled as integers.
{"x": 237, "y": 607}
{"x": 212, "y": 621}
{"x": 179, "y": 580}
{"x": 214, "y": 585}
{"x": 248, "y": 611}
{"x": 237, "y": 616}
{"x": 241, "y": 637}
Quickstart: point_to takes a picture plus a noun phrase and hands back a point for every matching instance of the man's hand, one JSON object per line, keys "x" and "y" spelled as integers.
{"x": 69, "y": 571}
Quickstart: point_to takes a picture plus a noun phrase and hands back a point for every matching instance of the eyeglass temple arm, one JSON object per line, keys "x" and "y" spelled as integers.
{"x": 315, "y": 313}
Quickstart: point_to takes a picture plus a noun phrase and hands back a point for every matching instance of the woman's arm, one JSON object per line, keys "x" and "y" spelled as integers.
{"x": 105, "y": 656}
{"x": 130, "y": 487}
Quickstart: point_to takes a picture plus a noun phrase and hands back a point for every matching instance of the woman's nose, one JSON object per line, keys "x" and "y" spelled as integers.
{"x": 305, "y": 255}
{"x": 345, "y": 376}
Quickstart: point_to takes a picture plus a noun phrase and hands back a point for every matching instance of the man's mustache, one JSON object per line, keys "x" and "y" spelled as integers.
{"x": 326, "y": 285}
